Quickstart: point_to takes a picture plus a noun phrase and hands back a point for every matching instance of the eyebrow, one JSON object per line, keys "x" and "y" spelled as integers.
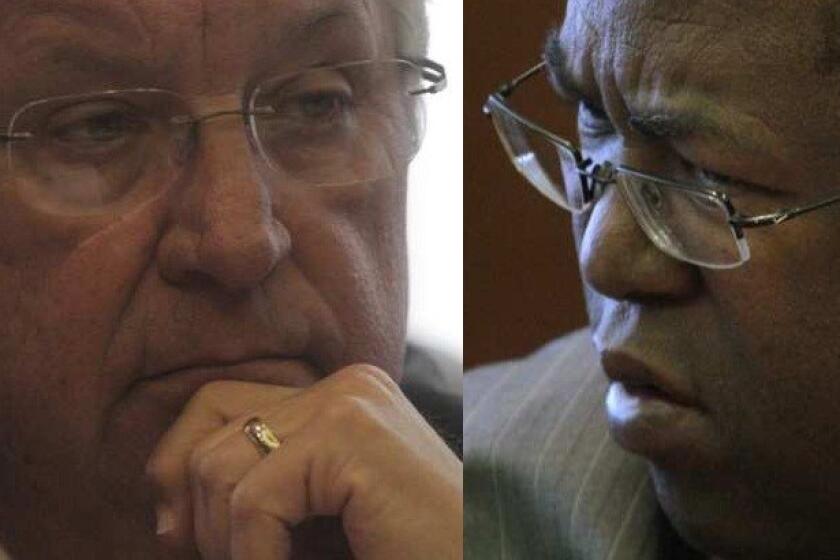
{"x": 674, "y": 126}
{"x": 696, "y": 116}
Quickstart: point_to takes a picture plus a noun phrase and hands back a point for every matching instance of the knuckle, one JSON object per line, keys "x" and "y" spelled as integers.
{"x": 367, "y": 379}
{"x": 209, "y": 392}
{"x": 208, "y": 467}
{"x": 350, "y": 412}
{"x": 361, "y": 481}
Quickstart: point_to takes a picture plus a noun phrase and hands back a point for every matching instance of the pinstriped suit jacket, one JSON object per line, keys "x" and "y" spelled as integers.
{"x": 542, "y": 477}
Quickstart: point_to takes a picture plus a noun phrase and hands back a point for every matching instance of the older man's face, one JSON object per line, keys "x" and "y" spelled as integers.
{"x": 230, "y": 272}
{"x": 752, "y": 467}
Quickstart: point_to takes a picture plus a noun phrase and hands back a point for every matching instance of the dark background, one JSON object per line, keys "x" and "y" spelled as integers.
{"x": 521, "y": 279}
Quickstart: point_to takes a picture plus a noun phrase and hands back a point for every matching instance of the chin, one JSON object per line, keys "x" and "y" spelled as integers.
{"x": 726, "y": 519}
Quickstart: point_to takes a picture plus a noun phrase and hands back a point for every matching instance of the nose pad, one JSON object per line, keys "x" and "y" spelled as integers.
{"x": 618, "y": 260}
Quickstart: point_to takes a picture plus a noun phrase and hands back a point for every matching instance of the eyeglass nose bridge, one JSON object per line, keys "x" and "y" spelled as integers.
{"x": 196, "y": 120}
{"x": 596, "y": 181}
{"x": 192, "y": 121}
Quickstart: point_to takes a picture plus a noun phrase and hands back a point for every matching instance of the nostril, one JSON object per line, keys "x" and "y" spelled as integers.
{"x": 242, "y": 260}
{"x": 235, "y": 259}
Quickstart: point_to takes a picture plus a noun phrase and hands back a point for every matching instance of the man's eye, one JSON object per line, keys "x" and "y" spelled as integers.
{"x": 309, "y": 112}
{"x": 705, "y": 177}
{"x": 713, "y": 179}
{"x": 321, "y": 106}
{"x": 733, "y": 186}
{"x": 318, "y": 94}
{"x": 594, "y": 111}
{"x": 93, "y": 125}
{"x": 593, "y": 121}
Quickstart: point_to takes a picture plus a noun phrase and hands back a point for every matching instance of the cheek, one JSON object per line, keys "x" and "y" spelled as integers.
{"x": 782, "y": 304}
{"x": 62, "y": 310}
{"x": 781, "y": 318}
{"x": 354, "y": 253}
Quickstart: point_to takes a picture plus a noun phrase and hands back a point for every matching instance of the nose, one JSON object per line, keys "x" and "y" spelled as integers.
{"x": 223, "y": 228}
{"x": 618, "y": 261}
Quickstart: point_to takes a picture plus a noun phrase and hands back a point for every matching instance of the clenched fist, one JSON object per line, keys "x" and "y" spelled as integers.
{"x": 352, "y": 446}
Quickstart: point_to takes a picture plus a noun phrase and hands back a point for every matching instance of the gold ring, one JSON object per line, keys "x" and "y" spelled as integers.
{"x": 261, "y": 435}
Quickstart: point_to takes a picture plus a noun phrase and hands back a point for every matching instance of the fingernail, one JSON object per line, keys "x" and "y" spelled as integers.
{"x": 165, "y": 520}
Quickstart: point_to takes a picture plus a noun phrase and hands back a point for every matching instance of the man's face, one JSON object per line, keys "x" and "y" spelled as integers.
{"x": 230, "y": 273}
{"x": 752, "y": 467}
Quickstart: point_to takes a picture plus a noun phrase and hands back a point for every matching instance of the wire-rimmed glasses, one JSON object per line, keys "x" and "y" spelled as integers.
{"x": 691, "y": 223}
{"x": 343, "y": 124}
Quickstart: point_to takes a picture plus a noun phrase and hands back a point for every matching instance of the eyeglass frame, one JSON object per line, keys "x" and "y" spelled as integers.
{"x": 432, "y": 71}
{"x": 596, "y": 180}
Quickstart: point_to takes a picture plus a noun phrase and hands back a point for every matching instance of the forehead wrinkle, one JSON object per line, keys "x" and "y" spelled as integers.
{"x": 202, "y": 45}
{"x": 299, "y": 17}
{"x": 314, "y": 19}
{"x": 281, "y": 26}
{"x": 377, "y": 19}
{"x": 670, "y": 105}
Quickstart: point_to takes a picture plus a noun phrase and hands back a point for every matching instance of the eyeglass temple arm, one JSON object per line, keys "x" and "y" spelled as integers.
{"x": 6, "y": 138}
{"x": 781, "y": 216}
{"x": 435, "y": 73}
{"x": 507, "y": 89}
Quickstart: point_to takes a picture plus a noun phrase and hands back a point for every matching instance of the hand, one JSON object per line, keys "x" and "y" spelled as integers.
{"x": 352, "y": 446}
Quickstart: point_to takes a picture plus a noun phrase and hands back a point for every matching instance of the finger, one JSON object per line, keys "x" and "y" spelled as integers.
{"x": 210, "y": 409}
{"x": 357, "y": 458}
{"x": 261, "y": 537}
{"x": 269, "y": 500}
{"x": 215, "y": 470}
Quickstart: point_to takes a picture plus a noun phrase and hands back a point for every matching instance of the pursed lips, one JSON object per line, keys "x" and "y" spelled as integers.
{"x": 657, "y": 414}
{"x": 176, "y": 385}
{"x": 240, "y": 359}
{"x": 635, "y": 375}
{"x": 220, "y": 366}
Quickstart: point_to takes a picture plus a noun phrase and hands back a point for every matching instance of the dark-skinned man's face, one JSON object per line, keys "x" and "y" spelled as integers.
{"x": 752, "y": 468}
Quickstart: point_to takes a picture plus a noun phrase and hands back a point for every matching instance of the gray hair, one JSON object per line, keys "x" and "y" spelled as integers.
{"x": 412, "y": 26}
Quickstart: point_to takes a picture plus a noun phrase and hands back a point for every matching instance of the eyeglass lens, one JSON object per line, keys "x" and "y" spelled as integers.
{"x": 545, "y": 164}
{"x": 689, "y": 225}
{"x": 685, "y": 224}
{"x": 326, "y": 126}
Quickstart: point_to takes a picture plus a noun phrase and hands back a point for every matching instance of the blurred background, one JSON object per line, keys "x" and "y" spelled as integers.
{"x": 521, "y": 277}
{"x": 435, "y": 198}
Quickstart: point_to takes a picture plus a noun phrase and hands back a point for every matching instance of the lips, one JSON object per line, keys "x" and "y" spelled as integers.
{"x": 643, "y": 382}
{"x": 653, "y": 413}
{"x": 172, "y": 388}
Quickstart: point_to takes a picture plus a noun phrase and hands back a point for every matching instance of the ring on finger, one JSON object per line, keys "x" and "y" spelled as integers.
{"x": 261, "y": 435}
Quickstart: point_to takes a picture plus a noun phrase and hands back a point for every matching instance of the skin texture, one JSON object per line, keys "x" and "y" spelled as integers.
{"x": 755, "y": 345}
{"x": 231, "y": 274}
